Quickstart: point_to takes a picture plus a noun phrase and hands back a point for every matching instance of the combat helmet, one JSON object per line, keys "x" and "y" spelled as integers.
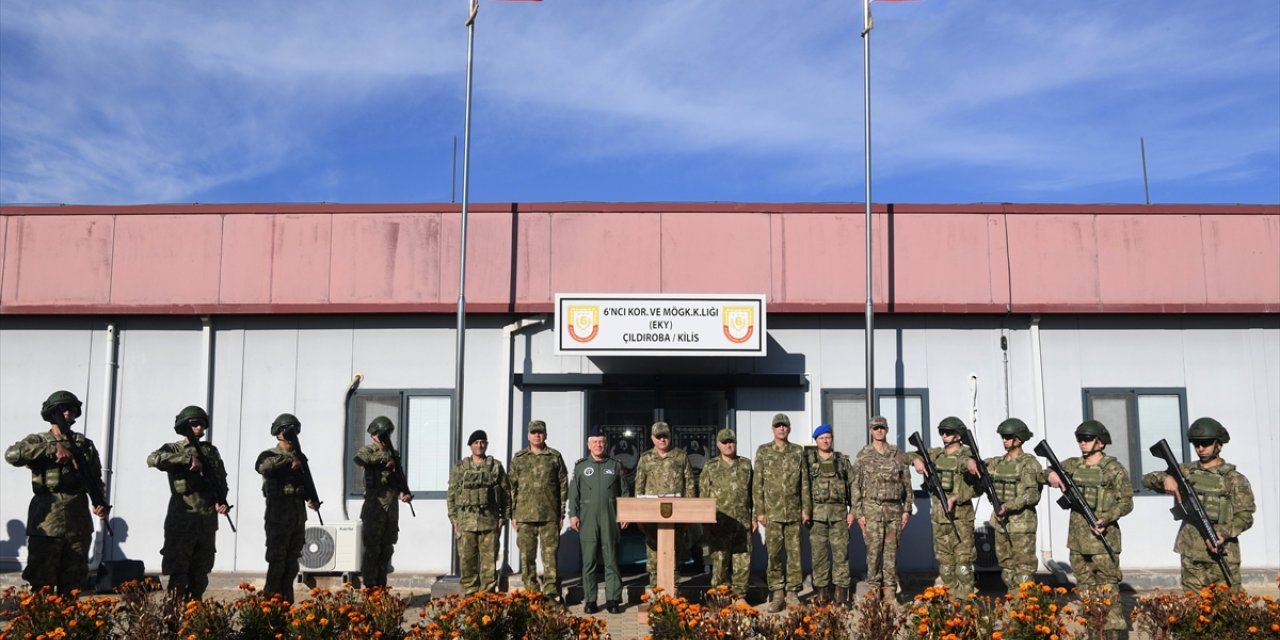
{"x": 952, "y": 423}
{"x": 1208, "y": 429}
{"x": 1095, "y": 429}
{"x": 381, "y": 426}
{"x": 187, "y": 415}
{"x": 285, "y": 421}
{"x": 57, "y": 400}
{"x": 1016, "y": 428}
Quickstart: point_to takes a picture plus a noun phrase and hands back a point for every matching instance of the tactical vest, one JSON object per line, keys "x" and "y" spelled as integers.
{"x": 55, "y": 478}
{"x": 1090, "y": 480}
{"x": 829, "y": 482}
{"x": 290, "y": 484}
{"x": 1005, "y": 475}
{"x": 1212, "y": 490}
{"x": 948, "y": 468}
{"x": 883, "y": 476}
{"x": 374, "y": 478}
{"x": 476, "y": 485}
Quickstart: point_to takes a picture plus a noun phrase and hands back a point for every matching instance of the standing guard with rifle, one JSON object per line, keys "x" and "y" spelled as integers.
{"x": 384, "y": 487}
{"x": 1097, "y": 490}
{"x": 198, "y": 493}
{"x": 943, "y": 469}
{"x": 1012, "y": 483}
{"x": 289, "y": 490}
{"x": 1214, "y": 502}
{"x": 66, "y": 476}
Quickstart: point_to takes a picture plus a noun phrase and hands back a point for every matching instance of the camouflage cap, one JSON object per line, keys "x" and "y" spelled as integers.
{"x": 878, "y": 421}
{"x": 952, "y": 423}
{"x": 59, "y": 399}
{"x": 285, "y": 421}
{"x": 537, "y": 426}
{"x": 726, "y": 435}
{"x": 780, "y": 419}
{"x": 660, "y": 428}
{"x": 1208, "y": 429}
{"x": 381, "y": 426}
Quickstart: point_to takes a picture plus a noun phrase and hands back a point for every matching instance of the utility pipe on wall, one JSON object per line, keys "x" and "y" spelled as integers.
{"x": 1045, "y": 515}
{"x": 106, "y": 433}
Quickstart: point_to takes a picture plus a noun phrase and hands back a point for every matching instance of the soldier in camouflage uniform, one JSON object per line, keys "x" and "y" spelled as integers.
{"x": 881, "y": 495}
{"x": 783, "y": 503}
{"x": 284, "y": 486}
{"x": 830, "y": 473}
{"x": 1016, "y": 477}
{"x": 593, "y": 513}
{"x": 727, "y": 478}
{"x": 1227, "y": 499}
{"x": 59, "y": 528}
{"x": 191, "y": 525}
{"x": 479, "y": 496}
{"x": 380, "y": 515}
{"x": 1107, "y": 488}
{"x": 539, "y": 491}
{"x": 663, "y": 471}
{"x": 955, "y": 554}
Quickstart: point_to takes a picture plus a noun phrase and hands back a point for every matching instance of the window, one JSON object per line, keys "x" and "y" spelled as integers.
{"x": 423, "y": 436}
{"x": 907, "y": 411}
{"x": 1137, "y": 419}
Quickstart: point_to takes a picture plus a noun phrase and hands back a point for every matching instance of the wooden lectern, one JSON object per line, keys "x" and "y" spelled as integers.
{"x": 666, "y": 513}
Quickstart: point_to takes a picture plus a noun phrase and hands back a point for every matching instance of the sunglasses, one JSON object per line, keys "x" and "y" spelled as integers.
{"x": 196, "y": 423}
{"x": 662, "y": 437}
{"x": 1086, "y": 438}
{"x": 1202, "y": 444}
{"x": 879, "y": 427}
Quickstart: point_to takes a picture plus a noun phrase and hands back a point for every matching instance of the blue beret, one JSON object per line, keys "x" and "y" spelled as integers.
{"x": 822, "y": 429}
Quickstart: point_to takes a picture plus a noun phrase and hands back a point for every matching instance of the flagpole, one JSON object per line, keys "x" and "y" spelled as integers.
{"x": 873, "y": 403}
{"x": 462, "y": 248}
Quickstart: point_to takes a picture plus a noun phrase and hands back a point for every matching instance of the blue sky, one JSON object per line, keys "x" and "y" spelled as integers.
{"x": 653, "y": 100}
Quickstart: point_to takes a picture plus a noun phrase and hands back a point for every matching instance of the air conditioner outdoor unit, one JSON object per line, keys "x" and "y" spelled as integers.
{"x": 331, "y": 548}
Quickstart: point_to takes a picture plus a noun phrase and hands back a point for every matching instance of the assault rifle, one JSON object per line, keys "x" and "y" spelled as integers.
{"x": 309, "y": 483}
{"x": 398, "y": 480}
{"x": 985, "y": 484}
{"x": 219, "y": 495}
{"x": 93, "y": 485}
{"x": 1188, "y": 507}
{"x": 932, "y": 483}
{"x": 1071, "y": 497}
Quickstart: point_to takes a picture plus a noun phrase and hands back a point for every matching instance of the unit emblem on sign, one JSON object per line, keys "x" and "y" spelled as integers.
{"x": 584, "y": 323}
{"x": 739, "y": 323}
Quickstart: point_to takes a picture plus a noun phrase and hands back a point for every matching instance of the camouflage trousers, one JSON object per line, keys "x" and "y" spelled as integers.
{"x": 778, "y": 535}
{"x": 729, "y": 542}
{"x": 1016, "y": 552}
{"x": 881, "y": 537}
{"x": 62, "y": 563}
{"x": 190, "y": 543}
{"x": 528, "y": 537}
{"x": 829, "y": 549}
{"x": 478, "y": 561}
{"x": 379, "y": 532}
{"x": 956, "y": 554}
{"x": 286, "y": 526}
{"x": 1099, "y": 576}
{"x": 1199, "y": 570}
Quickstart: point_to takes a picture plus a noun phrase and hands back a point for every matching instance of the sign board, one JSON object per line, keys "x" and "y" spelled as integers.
{"x": 660, "y": 325}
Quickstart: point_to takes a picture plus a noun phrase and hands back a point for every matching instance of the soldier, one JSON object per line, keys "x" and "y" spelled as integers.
{"x": 727, "y": 478}
{"x": 593, "y": 513}
{"x": 59, "y": 529}
{"x": 780, "y": 495}
{"x": 881, "y": 495}
{"x": 955, "y": 554}
{"x": 829, "y": 476}
{"x": 539, "y": 491}
{"x": 663, "y": 471}
{"x": 1106, "y": 487}
{"x": 380, "y": 515}
{"x": 1227, "y": 499}
{"x": 1016, "y": 477}
{"x": 191, "y": 525}
{"x": 479, "y": 495}
{"x": 284, "y": 484}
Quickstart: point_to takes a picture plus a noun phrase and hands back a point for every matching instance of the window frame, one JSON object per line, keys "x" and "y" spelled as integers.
{"x": 1131, "y": 395}
{"x": 401, "y": 437}
{"x": 881, "y": 394}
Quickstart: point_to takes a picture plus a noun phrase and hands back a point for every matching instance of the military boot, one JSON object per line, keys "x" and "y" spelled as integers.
{"x": 821, "y": 595}
{"x": 889, "y": 593}
{"x": 842, "y": 595}
{"x": 778, "y": 603}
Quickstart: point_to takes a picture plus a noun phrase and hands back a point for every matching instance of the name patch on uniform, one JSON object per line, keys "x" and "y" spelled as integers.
{"x": 589, "y": 471}
{"x": 608, "y": 472}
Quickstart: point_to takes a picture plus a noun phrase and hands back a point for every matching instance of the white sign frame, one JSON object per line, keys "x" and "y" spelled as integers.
{"x": 616, "y": 324}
